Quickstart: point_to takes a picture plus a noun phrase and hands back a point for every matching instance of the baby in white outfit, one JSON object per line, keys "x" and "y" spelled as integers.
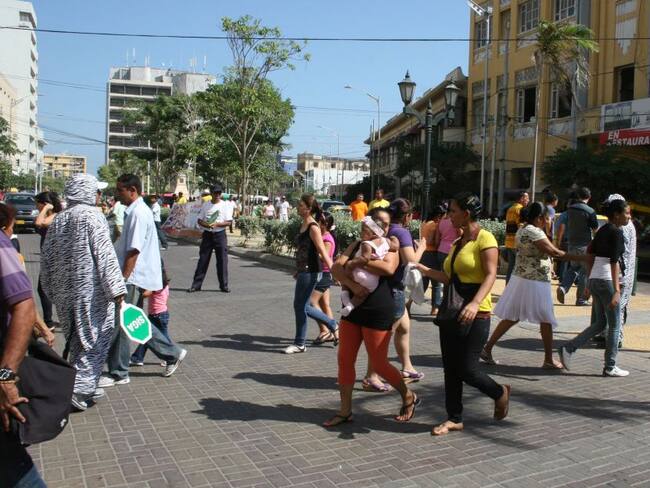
{"x": 373, "y": 246}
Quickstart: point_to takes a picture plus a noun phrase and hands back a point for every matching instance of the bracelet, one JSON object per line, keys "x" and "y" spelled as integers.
{"x": 5, "y": 382}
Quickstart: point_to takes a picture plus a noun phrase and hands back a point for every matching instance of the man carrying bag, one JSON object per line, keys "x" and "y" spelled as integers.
{"x": 17, "y": 317}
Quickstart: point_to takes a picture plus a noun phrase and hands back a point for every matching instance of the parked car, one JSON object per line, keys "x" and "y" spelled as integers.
{"x": 26, "y": 211}
{"x": 326, "y": 204}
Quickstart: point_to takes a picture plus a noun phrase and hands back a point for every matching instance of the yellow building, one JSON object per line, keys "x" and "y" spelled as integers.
{"x": 403, "y": 128}
{"x": 64, "y": 165}
{"x": 619, "y": 74}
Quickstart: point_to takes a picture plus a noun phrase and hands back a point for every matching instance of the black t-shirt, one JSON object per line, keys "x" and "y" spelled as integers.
{"x": 609, "y": 243}
{"x": 378, "y": 309}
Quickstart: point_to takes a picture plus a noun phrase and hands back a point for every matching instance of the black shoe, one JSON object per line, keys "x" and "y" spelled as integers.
{"x": 225, "y": 290}
{"x": 192, "y": 289}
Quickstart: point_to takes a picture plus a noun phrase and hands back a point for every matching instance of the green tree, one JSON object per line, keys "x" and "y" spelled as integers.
{"x": 247, "y": 113}
{"x": 453, "y": 170}
{"x": 603, "y": 172}
{"x": 6, "y": 175}
{"x": 122, "y": 163}
{"x": 564, "y": 49}
{"x": 7, "y": 145}
{"x": 169, "y": 124}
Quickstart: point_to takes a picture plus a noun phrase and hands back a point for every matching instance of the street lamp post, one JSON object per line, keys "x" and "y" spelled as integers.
{"x": 406, "y": 91}
{"x": 338, "y": 158}
{"x": 487, "y": 13}
{"x": 377, "y": 157}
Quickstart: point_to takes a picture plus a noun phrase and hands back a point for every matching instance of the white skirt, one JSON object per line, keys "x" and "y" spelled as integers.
{"x": 526, "y": 301}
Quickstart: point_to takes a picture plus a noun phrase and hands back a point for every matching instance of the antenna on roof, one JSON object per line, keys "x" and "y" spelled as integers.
{"x": 134, "y": 61}
{"x": 205, "y": 62}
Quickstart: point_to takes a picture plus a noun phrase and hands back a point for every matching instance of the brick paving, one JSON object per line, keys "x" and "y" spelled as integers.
{"x": 238, "y": 413}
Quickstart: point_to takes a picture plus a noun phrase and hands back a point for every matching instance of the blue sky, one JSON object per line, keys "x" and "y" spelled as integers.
{"x": 316, "y": 87}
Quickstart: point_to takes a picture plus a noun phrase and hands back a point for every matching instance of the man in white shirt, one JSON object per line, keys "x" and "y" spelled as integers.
{"x": 139, "y": 258}
{"x": 214, "y": 218}
{"x": 283, "y": 209}
{"x": 155, "y": 209}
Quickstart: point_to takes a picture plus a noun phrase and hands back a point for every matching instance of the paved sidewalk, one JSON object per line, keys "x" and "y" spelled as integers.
{"x": 238, "y": 413}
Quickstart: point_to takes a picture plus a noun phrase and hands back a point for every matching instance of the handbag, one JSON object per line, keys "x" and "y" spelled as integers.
{"x": 455, "y": 297}
{"x": 47, "y": 381}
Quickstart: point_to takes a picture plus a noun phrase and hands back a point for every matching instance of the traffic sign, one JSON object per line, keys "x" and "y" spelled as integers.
{"x": 135, "y": 323}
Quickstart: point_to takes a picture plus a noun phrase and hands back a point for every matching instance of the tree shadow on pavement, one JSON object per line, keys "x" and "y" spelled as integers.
{"x": 244, "y": 342}
{"x": 291, "y": 381}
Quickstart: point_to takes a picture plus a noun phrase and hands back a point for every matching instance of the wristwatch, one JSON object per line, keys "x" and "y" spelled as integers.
{"x": 7, "y": 376}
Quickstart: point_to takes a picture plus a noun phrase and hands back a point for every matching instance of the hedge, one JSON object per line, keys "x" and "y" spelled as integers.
{"x": 280, "y": 236}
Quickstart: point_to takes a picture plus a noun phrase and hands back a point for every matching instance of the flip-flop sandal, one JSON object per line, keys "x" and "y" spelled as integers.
{"x": 404, "y": 409}
{"x": 337, "y": 420}
{"x": 552, "y": 365}
{"x": 411, "y": 376}
{"x": 375, "y": 386}
{"x": 445, "y": 428}
{"x": 323, "y": 338}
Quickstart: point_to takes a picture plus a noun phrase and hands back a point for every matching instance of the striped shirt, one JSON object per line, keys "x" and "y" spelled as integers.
{"x": 15, "y": 286}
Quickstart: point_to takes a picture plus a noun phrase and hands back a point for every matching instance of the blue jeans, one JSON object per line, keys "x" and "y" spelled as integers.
{"x": 118, "y": 356}
{"x": 575, "y": 272}
{"x": 602, "y": 317}
{"x": 161, "y": 322}
{"x": 511, "y": 257}
{"x": 305, "y": 284}
{"x": 31, "y": 480}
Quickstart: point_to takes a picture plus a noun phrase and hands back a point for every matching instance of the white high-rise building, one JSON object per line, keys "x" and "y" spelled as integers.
{"x": 127, "y": 86}
{"x": 19, "y": 65}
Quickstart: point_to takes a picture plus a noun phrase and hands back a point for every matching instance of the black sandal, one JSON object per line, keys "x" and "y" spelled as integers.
{"x": 322, "y": 339}
{"x": 404, "y": 409}
{"x": 343, "y": 419}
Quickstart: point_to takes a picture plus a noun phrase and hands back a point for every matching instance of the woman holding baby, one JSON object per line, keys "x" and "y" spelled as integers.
{"x": 370, "y": 319}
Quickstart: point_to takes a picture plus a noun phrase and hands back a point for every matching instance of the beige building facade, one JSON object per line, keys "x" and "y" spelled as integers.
{"x": 8, "y": 103}
{"x": 402, "y": 128}
{"x": 614, "y": 100}
{"x": 64, "y": 165}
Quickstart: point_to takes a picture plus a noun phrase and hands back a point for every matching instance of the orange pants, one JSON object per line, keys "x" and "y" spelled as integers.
{"x": 376, "y": 342}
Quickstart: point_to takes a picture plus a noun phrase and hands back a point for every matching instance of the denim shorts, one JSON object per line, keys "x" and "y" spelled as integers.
{"x": 325, "y": 282}
{"x": 400, "y": 303}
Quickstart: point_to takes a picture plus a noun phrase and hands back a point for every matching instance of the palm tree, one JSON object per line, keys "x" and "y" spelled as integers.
{"x": 564, "y": 48}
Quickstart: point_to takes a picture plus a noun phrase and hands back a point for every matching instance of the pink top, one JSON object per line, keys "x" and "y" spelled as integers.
{"x": 327, "y": 237}
{"x": 448, "y": 234}
{"x": 158, "y": 301}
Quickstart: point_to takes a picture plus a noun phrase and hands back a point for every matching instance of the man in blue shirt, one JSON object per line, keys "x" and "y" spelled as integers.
{"x": 139, "y": 257}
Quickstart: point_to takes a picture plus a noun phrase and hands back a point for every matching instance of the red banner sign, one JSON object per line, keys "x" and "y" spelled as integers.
{"x": 626, "y": 137}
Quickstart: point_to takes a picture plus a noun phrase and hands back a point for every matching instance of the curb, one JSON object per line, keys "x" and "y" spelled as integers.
{"x": 283, "y": 262}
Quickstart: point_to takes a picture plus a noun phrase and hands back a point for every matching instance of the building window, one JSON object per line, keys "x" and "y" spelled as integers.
{"x": 526, "y": 101}
{"x": 315, "y": 165}
{"x": 564, "y": 9}
{"x": 481, "y": 34}
{"x": 560, "y": 100}
{"x": 27, "y": 17}
{"x": 624, "y": 77}
{"x": 528, "y": 15}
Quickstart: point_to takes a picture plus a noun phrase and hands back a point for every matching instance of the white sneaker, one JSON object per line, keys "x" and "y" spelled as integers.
{"x": 108, "y": 381}
{"x": 99, "y": 393}
{"x": 293, "y": 349}
{"x": 566, "y": 357}
{"x": 171, "y": 367}
{"x": 615, "y": 372}
{"x": 79, "y": 403}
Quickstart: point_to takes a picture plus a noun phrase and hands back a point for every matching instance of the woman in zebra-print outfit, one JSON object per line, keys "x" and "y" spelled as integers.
{"x": 81, "y": 275}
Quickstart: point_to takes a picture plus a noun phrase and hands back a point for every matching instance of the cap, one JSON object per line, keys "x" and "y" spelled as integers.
{"x": 102, "y": 185}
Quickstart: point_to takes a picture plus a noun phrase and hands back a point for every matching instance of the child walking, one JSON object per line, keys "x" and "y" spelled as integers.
{"x": 158, "y": 315}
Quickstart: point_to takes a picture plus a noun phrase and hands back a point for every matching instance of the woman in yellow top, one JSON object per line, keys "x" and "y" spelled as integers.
{"x": 475, "y": 263}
